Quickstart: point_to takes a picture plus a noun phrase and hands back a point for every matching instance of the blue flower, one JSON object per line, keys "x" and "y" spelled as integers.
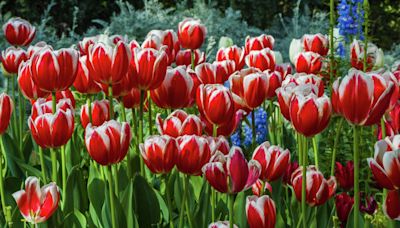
{"x": 351, "y": 19}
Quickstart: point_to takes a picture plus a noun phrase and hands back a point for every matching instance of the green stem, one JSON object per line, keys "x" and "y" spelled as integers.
{"x": 192, "y": 56}
{"x": 123, "y": 113}
{"x": 231, "y": 200}
{"x": 169, "y": 203}
{"x": 356, "y": 131}
{"x": 3, "y": 201}
{"x": 141, "y": 129}
{"x": 272, "y": 127}
{"x": 54, "y": 102}
{"x": 182, "y": 208}
{"x": 63, "y": 173}
{"x": 288, "y": 208}
{"x": 53, "y": 154}
{"x": 366, "y": 14}
{"x": 335, "y": 145}
{"x": 315, "y": 148}
{"x": 110, "y": 100}
{"x": 107, "y": 170}
{"x": 304, "y": 181}
{"x": 253, "y": 127}
{"x": 21, "y": 105}
{"x": 331, "y": 41}
{"x": 42, "y": 165}
{"x": 15, "y": 128}
{"x": 89, "y": 105}
{"x": 215, "y": 133}
{"x": 114, "y": 170}
{"x": 186, "y": 189}
{"x": 150, "y": 115}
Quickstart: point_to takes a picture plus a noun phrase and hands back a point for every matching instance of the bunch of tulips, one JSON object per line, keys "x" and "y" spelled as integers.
{"x": 180, "y": 158}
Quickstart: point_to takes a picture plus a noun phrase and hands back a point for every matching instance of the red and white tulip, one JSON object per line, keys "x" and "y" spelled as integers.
{"x": 179, "y": 123}
{"x": 19, "y": 32}
{"x": 191, "y": 33}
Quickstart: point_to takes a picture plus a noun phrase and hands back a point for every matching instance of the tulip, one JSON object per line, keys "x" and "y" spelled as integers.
{"x": 227, "y": 128}
{"x": 285, "y": 94}
{"x": 108, "y": 143}
{"x": 233, "y": 53}
{"x": 309, "y": 113}
{"x": 159, "y": 153}
{"x": 367, "y": 106}
{"x": 85, "y": 44}
{"x": 148, "y": 68}
{"x": 84, "y": 82}
{"x": 194, "y": 153}
{"x": 274, "y": 161}
{"x": 32, "y": 49}
{"x": 184, "y": 57}
{"x": 122, "y": 88}
{"x": 318, "y": 189}
{"x": 66, "y": 94}
{"x": 295, "y": 49}
{"x": 221, "y": 224}
{"x": 54, "y": 70}
{"x": 392, "y": 122}
{"x": 263, "y": 59}
{"x": 37, "y": 204}
{"x": 117, "y": 38}
{"x": 274, "y": 82}
{"x": 215, "y": 73}
{"x": 316, "y": 43}
{"x": 191, "y": 33}
{"x": 257, "y": 188}
{"x": 284, "y": 68}
{"x": 231, "y": 173}
{"x": 11, "y": 58}
{"x": 100, "y": 113}
{"x": 132, "y": 99}
{"x": 391, "y": 207}
{"x": 6, "y": 107}
{"x": 345, "y": 175}
{"x": 19, "y": 32}
{"x": 343, "y": 203}
{"x": 215, "y": 103}
{"x": 179, "y": 123}
{"x": 287, "y": 175}
{"x": 369, "y": 206}
{"x": 357, "y": 55}
{"x": 176, "y": 89}
{"x": 219, "y": 143}
{"x": 156, "y": 38}
{"x": 302, "y": 79}
{"x": 308, "y": 62}
{"x": 260, "y": 212}
{"x": 27, "y": 86}
{"x": 42, "y": 106}
{"x": 259, "y": 43}
{"x": 109, "y": 61}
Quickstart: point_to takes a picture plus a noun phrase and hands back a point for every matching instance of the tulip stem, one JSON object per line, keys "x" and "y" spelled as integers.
{"x": 89, "y": 105}
{"x": 215, "y": 134}
{"x": 21, "y": 106}
{"x": 335, "y": 145}
{"x": 186, "y": 189}
{"x": 14, "y": 119}
{"x": 110, "y": 100}
{"x": 53, "y": 154}
{"x": 331, "y": 41}
{"x": 356, "y": 141}
{"x": 272, "y": 128}
{"x": 63, "y": 173}
{"x": 150, "y": 115}
{"x": 107, "y": 170}
{"x": 253, "y": 127}
{"x": 123, "y": 113}
{"x": 304, "y": 180}
{"x": 366, "y": 14}
{"x": 231, "y": 200}
{"x": 42, "y": 164}
{"x": 169, "y": 203}
{"x": 182, "y": 208}
{"x": 192, "y": 58}
{"x": 54, "y": 102}
{"x": 114, "y": 170}
{"x": 3, "y": 202}
{"x": 141, "y": 129}
{"x": 315, "y": 148}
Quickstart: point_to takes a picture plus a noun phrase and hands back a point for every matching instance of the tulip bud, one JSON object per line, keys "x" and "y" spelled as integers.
{"x": 260, "y": 212}
{"x": 391, "y": 207}
{"x": 263, "y": 59}
{"x": 259, "y": 43}
{"x": 27, "y": 86}
{"x": 191, "y": 33}
{"x": 84, "y": 82}
{"x": 345, "y": 175}
{"x": 295, "y": 49}
{"x": 11, "y": 58}
{"x": 179, "y": 123}
{"x": 100, "y": 113}
{"x": 232, "y": 53}
{"x": 343, "y": 203}
{"x": 316, "y": 43}
{"x": 194, "y": 153}
{"x": 215, "y": 73}
{"x": 374, "y": 55}
{"x": 19, "y": 32}
{"x": 158, "y": 38}
{"x": 225, "y": 42}
{"x": 6, "y": 107}
{"x": 308, "y": 62}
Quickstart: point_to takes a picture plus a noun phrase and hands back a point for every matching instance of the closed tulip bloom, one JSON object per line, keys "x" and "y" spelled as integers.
{"x": 60, "y": 95}
{"x": 263, "y": 59}
{"x": 215, "y": 103}
{"x": 231, "y": 173}
{"x": 318, "y": 189}
{"x": 368, "y": 204}
{"x": 110, "y": 61}
{"x": 42, "y": 106}
{"x": 260, "y": 212}
{"x": 308, "y": 62}
{"x": 85, "y": 44}
{"x": 257, "y": 188}
{"x": 37, "y": 204}
{"x": 191, "y": 33}
{"x": 287, "y": 175}
{"x": 392, "y": 122}
{"x": 221, "y": 224}
{"x": 148, "y": 68}
{"x": 284, "y": 68}
{"x": 309, "y": 113}
{"x": 357, "y": 50}
{"x": 259, "y": 43}
{"x": 184, "y": 57}
{"x": 32, "y": 49}
{"x": 132, "y": 99}
{"x": 194, "y": 153}
{"x": 316, "y": 43}
{"x": 275, "y": 79}
{"x": 344, "y": 204}
{"x": 159, "y": 153}
{"x": 19, "y": 32}
{"x": 108, "y": 143}
{"x": 176, "y": 89}
{"x": 54, "y": 70}
{"x": 179, "y": 123}
{"x": 157, "y": 38}
{"x": 285, "y": 94}
{"x": 11, "y": 58}
{"x": 28, "y": 88}
{"x": 274, "y": 161}
{"x": 367, "y": 106}
{"x": 215, "y": 73}
{"x": 6, "y": 107}
{"x": 219, "y": 143}
{"x": 391, "y": 207}
{"x": 100, "y": 113}
{"x": 345, "y": 175}
{"x": 303, "y": 79}
{"x": 295, "y": 48}
{"x": 227, "y": 128}
{"x": 233, "y": 53}
{"x": 84, "y": 82}
{"x": 122, "y": 88}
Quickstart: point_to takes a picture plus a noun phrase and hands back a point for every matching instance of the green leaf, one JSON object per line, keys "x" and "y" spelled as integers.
{"x": 74, "y": 194}
{"x": 163, "y": 207}
{"x": 350, "y": 220}
{"x": 75, "y": 219}
{"x": 128, "y": 204}
{"x": 11, "y": 155}
{"x": 96, "y": 192}
{"x": 240, "y": 210}
{"x": 203, "y": 210}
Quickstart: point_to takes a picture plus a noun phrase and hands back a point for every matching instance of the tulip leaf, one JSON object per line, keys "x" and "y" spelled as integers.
{"x": 350, "y": 220}
{"x": 96, "y": 191}
{"x": 203, "y": 211}
{"x": 163, "y": 207}
{"x": 128, "y": 204}
{"x": 75, "y": 219}
{"x": 239, "y": 208}
{"x": 74, "y": 192}
{"x": 11, "y": 155}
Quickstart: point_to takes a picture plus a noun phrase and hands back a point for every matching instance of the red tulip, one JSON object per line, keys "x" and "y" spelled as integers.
{"x": 26, "y": 84}
{"x": 357, "y": 50}
{"x": 179, "y": 123}
{"x": 117, "y": 38}
{"x": 219, "y": 143}
{"x": 85, "y": 44}
{"x": 37, "y": 204}
{"x": 148, "y": 68}
{"x": 215, "y": 103}
{"x": 284, "y": 68}
{"x": 260, "y": 212}
{"x": 316, "y": 43}
{"x": 66, "y": 94}
{"x": 156, "y": 38}
{"x": 392, "y": 123}
{"x": 122, "y": 88}
{"x": 42, "y": 106}
{"x": 231, "y": 173}
{"x": 100, "y": 113}
{"x": 287, "y": 175}
{"x": 32, "y": 49}
{"x": 19, "y": 32}
{"x": 368, "y": 204}
{"x": 302, "y": 79}
{"x": 345, "y": 175}
{"x": 84, "y": 82}
{"x": 391, "y": 207}
{"x": 221, "y": 224}
{"x": 159, "y": 153}
{"x": 285, "y": 94}
{"x": 11, "y": 58}
{"x": 215, "y": 73}
{"x": 343, "y": 203}
{"x": 132, "y": 99}
{"x": 263, "y": 59}
{"x": 194, "y": 153}
{"x": 108, "y": 143}
{"x": 367, "y": 106}
{"x": 273, "y": 160}
{"x": 308, "y": 62}
{"x": 259, "y": 43}
{"x": 6, "y": 107}
{"x": 257, "y": 188}
{"x": 318, "y": 189}
{"x": 54, "y": 70}
{"x": 385, "y": 164}
{"x": 184, "y": 57}
{"x": 109, "y": 61}
{"x": 176, "y": 89}
{"x": 227, "y": 128}
{"x": 191, "y": 33}
{"x": 233, "y": 53}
